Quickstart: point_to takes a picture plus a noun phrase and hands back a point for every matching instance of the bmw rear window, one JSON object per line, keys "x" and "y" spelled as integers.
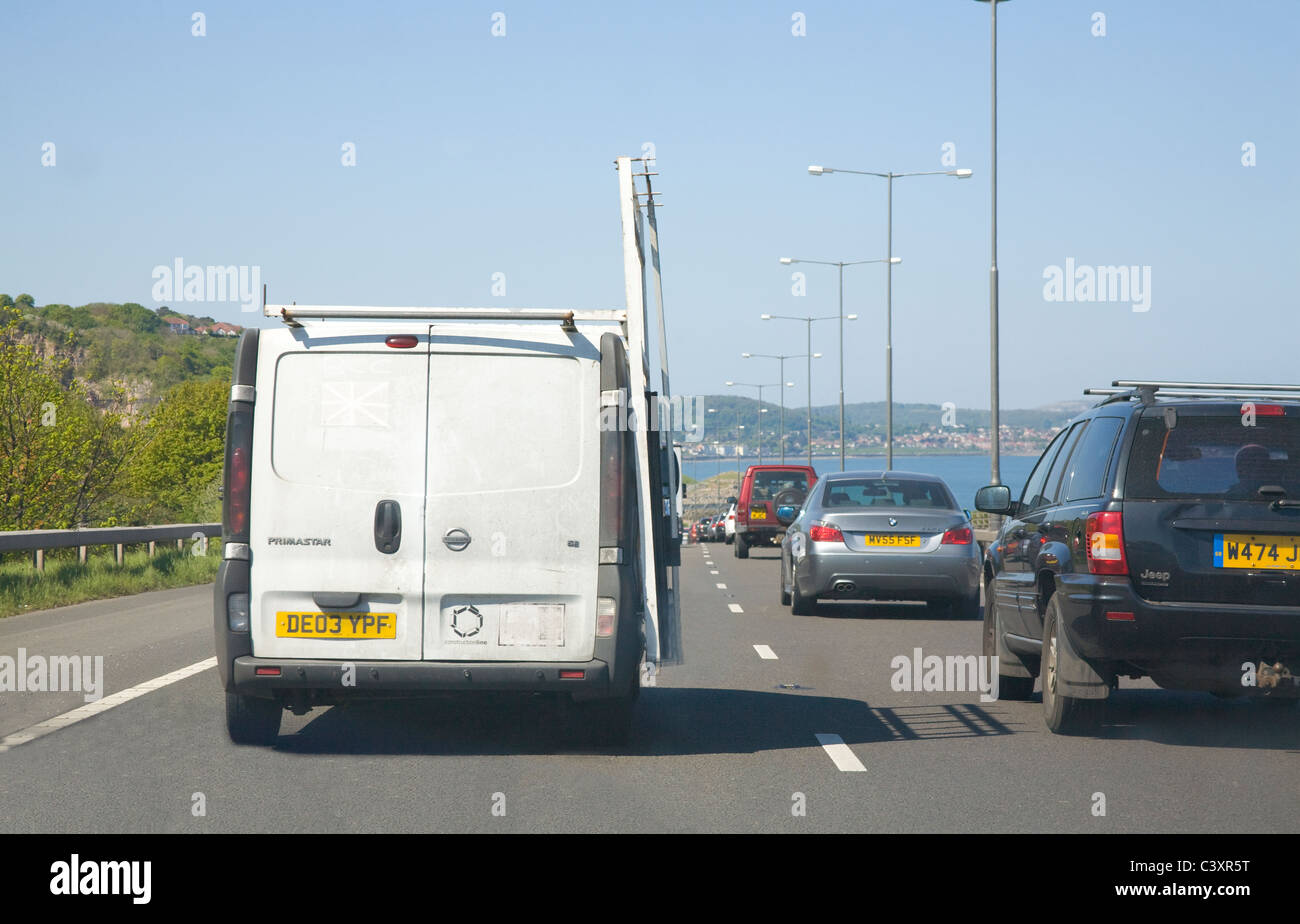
{"x": 1225, "y": 456}
{"x": 892, "y": 492}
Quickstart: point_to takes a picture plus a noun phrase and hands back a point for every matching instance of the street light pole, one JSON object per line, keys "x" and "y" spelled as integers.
{"x": 889, "y": 331}
{"x": 960, "y": 173}
{"x": 758, "y": 415}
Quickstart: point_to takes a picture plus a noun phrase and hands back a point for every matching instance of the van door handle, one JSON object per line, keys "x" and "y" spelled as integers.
{"x": 388, "y": 526}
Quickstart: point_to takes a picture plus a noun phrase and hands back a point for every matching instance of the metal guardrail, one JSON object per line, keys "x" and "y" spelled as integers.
{"x": 38, "y": 540}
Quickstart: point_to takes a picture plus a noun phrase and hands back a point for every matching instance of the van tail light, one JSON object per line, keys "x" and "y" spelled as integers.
{"x": 958, "y": 535}
{"x": 613, "y": 485}
{"x": 237, "y": 490}
{"x": 606, "y": 611}
{"x": 1104, "y": 533}
{"x": 820, "y": 533}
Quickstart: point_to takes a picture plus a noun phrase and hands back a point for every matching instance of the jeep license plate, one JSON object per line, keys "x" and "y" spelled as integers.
{"x": 758, "y": 514}
{"x": 1246, "y": 550}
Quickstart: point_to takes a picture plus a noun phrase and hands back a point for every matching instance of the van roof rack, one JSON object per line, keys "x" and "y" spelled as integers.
{"x": 1147, "y": 392}
{"x": 294, "y": 314}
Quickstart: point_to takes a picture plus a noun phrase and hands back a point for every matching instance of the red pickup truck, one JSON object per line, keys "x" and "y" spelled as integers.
{"x": 767, "y": 488}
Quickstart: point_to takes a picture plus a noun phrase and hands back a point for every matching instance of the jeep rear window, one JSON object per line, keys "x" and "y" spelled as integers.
{"x": 895, "y": 492}
{"x": 768, "y": 485}
{"x": 1213, "y": 456}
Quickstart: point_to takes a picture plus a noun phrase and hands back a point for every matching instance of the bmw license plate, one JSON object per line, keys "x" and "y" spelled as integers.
{"x": 889, "y": 539}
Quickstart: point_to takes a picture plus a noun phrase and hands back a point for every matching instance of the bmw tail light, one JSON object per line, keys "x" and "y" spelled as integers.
{"x": 958, "y": 535}
{"x": 822, "y": 533}
{"x": 1104, "y": 533}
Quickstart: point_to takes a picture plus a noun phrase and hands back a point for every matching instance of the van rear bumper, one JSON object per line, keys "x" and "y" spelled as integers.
{"x": 381, "y": 677}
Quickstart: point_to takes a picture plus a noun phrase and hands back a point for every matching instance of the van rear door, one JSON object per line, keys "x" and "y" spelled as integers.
{"x": 338, "y": 461}
{"x": 512, "y": 495}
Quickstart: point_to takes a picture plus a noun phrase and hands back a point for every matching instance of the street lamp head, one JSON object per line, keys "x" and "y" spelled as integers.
{"x": 850, "y": 317}
{"x": 731, "y": 383}
{"x": 789, "y": 384}
{"x": 746, "y": 355}
{"x": 787, "y": 261}
{"x": 817, "y": 170}
{"x": 817, "y": 356}
{"x": 895, "y": 259}
{"x": 765, "y": 317}
{"x": 963, "y": 173}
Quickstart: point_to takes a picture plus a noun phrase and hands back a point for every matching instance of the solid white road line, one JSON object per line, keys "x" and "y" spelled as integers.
{"x": 735, "y": 607}
{"x": 839, "y": 752}
{"x": 41, "y": 729}
{"x": 766, "y": 653}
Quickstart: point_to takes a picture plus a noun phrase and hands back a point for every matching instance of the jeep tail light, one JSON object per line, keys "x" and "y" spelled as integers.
{"x": 1104, "y": 533}
{"x": 958, "y": 535}
{"x": 821, "y": 533}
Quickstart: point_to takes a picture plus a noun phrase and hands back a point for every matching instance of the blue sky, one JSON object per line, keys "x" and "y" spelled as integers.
{"x": 479, "y": 155}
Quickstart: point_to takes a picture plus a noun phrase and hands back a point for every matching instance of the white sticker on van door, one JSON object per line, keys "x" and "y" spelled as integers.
{"x": 354, "y": 404}
{"x": 533, "y": 624}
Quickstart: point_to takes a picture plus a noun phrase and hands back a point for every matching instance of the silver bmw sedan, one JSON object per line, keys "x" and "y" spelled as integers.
{"x": 881, "y": 536}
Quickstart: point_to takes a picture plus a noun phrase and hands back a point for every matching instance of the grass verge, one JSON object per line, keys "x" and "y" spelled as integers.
{"x": 24, "y": 589}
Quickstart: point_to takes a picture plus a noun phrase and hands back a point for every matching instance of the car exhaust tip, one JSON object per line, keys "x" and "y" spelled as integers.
{"x": 844, "y": 587}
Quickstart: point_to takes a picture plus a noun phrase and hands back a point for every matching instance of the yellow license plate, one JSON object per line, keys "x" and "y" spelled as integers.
{"x": 335, "y": 625}
{"x": 910, "y": 542}
{"x": 1245, "y": 550}
{"x": 758, "y": 514}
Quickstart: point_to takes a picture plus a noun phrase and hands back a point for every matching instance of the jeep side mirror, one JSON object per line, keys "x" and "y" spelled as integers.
{"x": 994, "y": 498}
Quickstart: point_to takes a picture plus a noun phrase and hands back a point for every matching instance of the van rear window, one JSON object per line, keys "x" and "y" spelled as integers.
{"x": 1213, "y": 456}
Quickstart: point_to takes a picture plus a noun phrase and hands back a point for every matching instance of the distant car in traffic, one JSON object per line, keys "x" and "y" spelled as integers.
{"x": 881, "y": 536}
{"x": 764, "y": 492}
{"x": 729, "y": 525}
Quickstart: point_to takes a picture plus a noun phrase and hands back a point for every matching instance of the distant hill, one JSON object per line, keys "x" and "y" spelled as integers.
{"x": 865, "y": 417}
{"x": 126, "y": 354}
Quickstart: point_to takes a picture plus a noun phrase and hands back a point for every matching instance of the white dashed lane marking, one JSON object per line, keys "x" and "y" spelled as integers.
{"x": 722, "y": 587}
{"x": 81, "y": 713}
{"x": 839, "y": 752}
{"x": 735, "y": 607}
{"x": 766, "y": 653}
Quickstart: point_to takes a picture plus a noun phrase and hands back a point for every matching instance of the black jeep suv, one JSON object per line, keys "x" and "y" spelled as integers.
{"x": 1158, "y": 536}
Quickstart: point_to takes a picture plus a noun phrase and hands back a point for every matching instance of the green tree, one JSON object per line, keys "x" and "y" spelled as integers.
{"x": 25, "y": 301}
{"x": 5, "y": 300}
{"x": 177, "y": 469}
{"x": 59, "y": 456}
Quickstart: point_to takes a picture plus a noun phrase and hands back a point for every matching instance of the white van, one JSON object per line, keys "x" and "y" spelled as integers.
{"x": 423, "y": 500}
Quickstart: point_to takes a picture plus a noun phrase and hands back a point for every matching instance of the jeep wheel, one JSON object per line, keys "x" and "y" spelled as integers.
{"x": 252, "y": 720}
{"x": 741, "y": 547}
{"x": 1065, "y": 715}
{"x": 1013, "y": 688}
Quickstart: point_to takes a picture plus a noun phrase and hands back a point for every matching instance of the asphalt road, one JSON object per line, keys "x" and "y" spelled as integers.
{"x": 727, "y": 741}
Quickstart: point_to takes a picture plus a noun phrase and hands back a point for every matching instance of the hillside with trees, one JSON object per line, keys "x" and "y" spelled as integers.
{"x": 110, "y": 414}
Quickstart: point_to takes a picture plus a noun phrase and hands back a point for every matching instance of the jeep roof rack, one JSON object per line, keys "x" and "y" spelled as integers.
{"x": 1147, "y": 392}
